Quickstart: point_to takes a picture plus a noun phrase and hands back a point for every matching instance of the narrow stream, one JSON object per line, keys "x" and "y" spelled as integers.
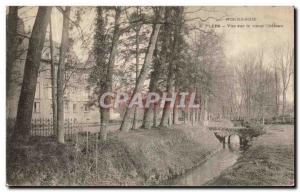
{"x": 220, "y": 161}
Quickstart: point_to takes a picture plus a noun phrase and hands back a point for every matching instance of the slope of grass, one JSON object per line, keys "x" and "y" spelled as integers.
{"x": 141, "y": 157}
{"x": 268, "y": 162}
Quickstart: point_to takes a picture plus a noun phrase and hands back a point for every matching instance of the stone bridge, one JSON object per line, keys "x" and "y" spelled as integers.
{"x": 224, "y": 133}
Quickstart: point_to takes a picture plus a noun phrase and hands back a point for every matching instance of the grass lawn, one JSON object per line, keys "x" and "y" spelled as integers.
{"x": 140, "y": 157}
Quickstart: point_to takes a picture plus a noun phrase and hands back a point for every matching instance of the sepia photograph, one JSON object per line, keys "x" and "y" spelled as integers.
{"x": 150, "y": 96}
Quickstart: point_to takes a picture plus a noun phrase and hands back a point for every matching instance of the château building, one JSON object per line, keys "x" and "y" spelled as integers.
{"x": 77, "y": 92}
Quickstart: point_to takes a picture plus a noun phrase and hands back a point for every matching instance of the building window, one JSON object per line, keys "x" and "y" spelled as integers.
{"x": 86, "y": 94}
{"x": 66, "y": 106}
{"x": 74, "y": 108}
{"x": 67, "y": 92}
{"x": 86, "y": 108}
{"x": 74, "y": 77}
{"x": 51, "y": 107}
{"x": 47, "y": 55}
{"x": 73, "y": 90}
{"x": 85, "y": 77}
{"x": 49, "y": 92}
{"x": 36, "y": 107}
{"x": 37, "y": 91}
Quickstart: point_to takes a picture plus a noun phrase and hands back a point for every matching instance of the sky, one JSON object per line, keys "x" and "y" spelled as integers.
{"x": 243, "y": 39}
{"x": 238, "y": 40}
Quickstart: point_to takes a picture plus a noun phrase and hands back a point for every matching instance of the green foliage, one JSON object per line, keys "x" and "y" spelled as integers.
{"x": 254, "y": 128}
{"x": 100, "y": 53}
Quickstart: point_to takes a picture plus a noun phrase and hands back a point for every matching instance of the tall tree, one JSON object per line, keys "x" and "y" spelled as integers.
{"x": 100, "y": 52}
{"x": 286, "y": 70}
{"x": 32, "y": 64}
{"x": 107, "y": 86}
{"x": 137, "y": 55}
{"x": 257, "y": 87}
{"x": 11, "y": 43}
{"x": 53, "y": 81}
{"x": 283, "y": 60}
{"x": 277, "y": 89}
{"x": 105, "y": 50}
{"x": 61, "y": 75}
{"x": 172, "y": 66}
{"x": 125, "y": 126}
{"x": 148, "y": 121}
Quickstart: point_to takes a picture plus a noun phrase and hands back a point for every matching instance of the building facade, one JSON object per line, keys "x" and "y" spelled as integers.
{"x": 77, "y": 92}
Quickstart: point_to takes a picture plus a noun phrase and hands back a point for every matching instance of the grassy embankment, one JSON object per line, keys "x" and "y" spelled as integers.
{"x": 268, "y": 162}
{"x": 141, "y": 157}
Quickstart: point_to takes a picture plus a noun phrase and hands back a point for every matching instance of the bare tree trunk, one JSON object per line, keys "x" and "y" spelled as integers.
{"x": 171, "y": 72}
{"x": 105, "y": 116}
{"x": 11, "y": 44}
{"x": 105, "y": 112}
{"x": 188, "y": 115}
{"x": 286, "y": 58}
{"x": 137, "y": 49}
{"x": 263, "y": 115}
{"x": 277, "y": 93}
{"x": 134, "y": 123}
{"x": 205, "y": 120}
{"x": 283, "y": 101}
{"x": 61, "y": 76}
{"x": 175, "y": 112}
{"x": 144, "y": 71}
{"x": 32, "y": 65}
{"x": 170, "y": 120}
{"x": 192, "y": 116}
{"x": 175, "y": 115}
{"x": 149, "y": 112}
{"x": 170, "y": 89}
{"x": 155, "y": 111}
{"x": 53, "y": 83}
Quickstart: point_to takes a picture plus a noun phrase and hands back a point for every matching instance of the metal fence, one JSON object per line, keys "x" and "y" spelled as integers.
{"x": 84, "y": 138}
{"x": 44, "y": 127}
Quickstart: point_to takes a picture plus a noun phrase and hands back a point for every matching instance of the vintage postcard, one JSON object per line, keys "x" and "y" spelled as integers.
{"x": 150, "y": 96}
